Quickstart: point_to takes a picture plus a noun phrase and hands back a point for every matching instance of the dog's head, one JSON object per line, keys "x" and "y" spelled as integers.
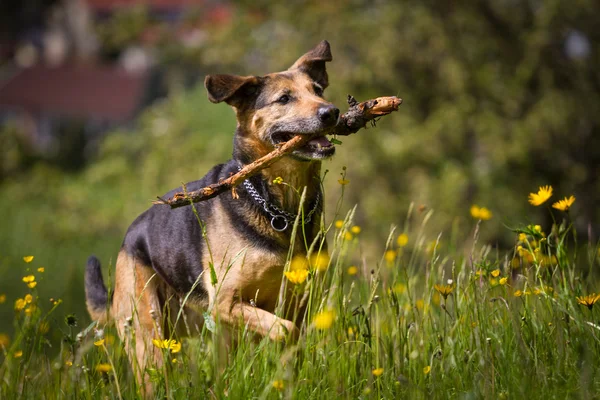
{"x": 271, "y": 109}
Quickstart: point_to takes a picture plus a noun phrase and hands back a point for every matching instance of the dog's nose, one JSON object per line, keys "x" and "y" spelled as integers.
{"x": 328, "y": 114}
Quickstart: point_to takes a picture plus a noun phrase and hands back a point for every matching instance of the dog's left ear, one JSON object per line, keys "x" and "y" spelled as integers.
{"x": 313, "y": 63}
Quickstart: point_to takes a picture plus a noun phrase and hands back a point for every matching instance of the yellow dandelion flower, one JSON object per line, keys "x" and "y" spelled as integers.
{"x": 278, "y": 180}
{"x": 18, "y": 353}
{"x": 99, "y": 342}
{"x": 31, "y": 285}
{"x": 350, "y": 331}
{"x": 353, "y": 270}
{"x": 20, "y": 304}
{"x": 481, "y": 213}
{"x": 324, "y": 320}
{"x": 485, "y": 214}
{"x": 69, "y": 363}
{"x": 103, "y": 368}
{"x": 278, "y": 385}
{"x": 539, "y": 198}
{"x": 522, "y": 237}
{"x": 343, "y": 182}
{"x": 444, "y": 290}
{"x": 427, "y": 369}
{"x": 4, "y": 340}
{"x": 495, "y": 273}
{"x": 377, "y": 372}
{"x": 493, "y": 282}
{"x": 420, "y": 304}
{"x": 399, "y": 288}
{"x": 297, "y": 276}
{"x": 565, "y": 204}
{"x": 390, "y": 256}
{"x": 174, "y": 361}
{"x": 348, "y": 236}
{"x": 402, "y": 240}
{"x": 29, "y": 310}
{"x": 319, "y": 261}
{"x": 503, "y": 280}
{"x": 41, "y": 269}
{"x": 355, "y": 229}
{"x": 2, "y": 298}
{"x": 28, "y": 298}
{"x": 161, "y": 344}
{"x": 299, "y": 263}
{"x": 28, "y": 278}
{"x": 339, "y": 223}
{"x": 479, "y": 273}
{"x": 588, "y": 300}
{"x": 175, "y": 346}
{"x": 518, "y": 293}
{"x": 28, "y": 259}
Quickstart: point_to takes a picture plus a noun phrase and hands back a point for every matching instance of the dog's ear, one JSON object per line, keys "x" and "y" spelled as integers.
{"x": 231, "y": 89}
{"x": 313, "y": 63}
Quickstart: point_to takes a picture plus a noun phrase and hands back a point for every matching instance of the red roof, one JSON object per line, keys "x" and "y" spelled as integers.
{"x": 90, "y": 91}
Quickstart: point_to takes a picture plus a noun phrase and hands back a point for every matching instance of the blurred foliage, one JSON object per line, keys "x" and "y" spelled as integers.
{"x": 495, "y": 104}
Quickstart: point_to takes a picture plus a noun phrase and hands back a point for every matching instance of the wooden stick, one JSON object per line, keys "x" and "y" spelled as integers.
{"x": 353, "y": 120}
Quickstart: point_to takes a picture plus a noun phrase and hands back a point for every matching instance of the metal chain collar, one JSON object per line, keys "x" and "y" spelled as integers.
{"x": 280, "y": 219}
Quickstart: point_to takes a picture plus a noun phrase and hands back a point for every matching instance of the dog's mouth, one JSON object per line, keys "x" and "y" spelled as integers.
{"x": 317, "y": 148}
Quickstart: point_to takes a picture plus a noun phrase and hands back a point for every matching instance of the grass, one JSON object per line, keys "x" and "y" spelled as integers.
{"x": 425, "y": 317}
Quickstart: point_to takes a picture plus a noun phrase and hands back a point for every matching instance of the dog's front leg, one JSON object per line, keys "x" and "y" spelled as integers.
{"x": 258, "y": 320}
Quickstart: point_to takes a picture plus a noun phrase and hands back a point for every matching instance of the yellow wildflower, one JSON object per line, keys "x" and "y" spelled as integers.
{"x": 28, "y": 259}
{"x": 4, "y": 340}
{"x": 522, "y": 237}
{"x": 278, "y": 385}
{"x": 175, "y": 346}
{"x": 299, "y": 263}
{"x": 319, "y": 261}
{"x": 278, "y": 180}
{"x": 420, "y": 304}
{"x": 28, "y": 278}
{"x": 377, "y": 372}
{"x": 324, "y": 320}
{"x": 28, "y": 298}
{"x": 495, "y": 273}
{"x": 503, "y": 280}
{"x": 399, "y": 288}
{"x": 104, "y": 368}
{"x": 18, "y": 353}
{"x": 31, "y": 285}
{"x": 518, "y": 293}
{"x": 99, "y": 342}
{"x": 339, "y": 223}
{"x": 2, "y": 298}
{"x": 355, "y": 229}
{"x": 402, "y": 240}
{"x": 444, "y": 290}
{"x": 390, "y": 256}
{"x": 588, "y": 300}
{"x": 20, "y": 304}
{"x": 565, "y": 204}
{"x": 69, "y": 363}
{"x": 348, "y": 236}
{"x": 41, "y": 269}
{"x": 539, "y": 198}
{"x": 427, "y": 369}
{"x": 343, "y": 181}
{"x": 493, "y": 282}
{"x": 353, "y": 270}
{"x": 481, "y": 213}
{"x": 297, "y": 276}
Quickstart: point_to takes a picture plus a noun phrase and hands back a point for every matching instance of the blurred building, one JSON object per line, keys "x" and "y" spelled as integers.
{"x": 62, "y": 81}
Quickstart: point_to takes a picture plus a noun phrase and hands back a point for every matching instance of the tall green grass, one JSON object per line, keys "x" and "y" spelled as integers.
{"x": 424, "y": 317}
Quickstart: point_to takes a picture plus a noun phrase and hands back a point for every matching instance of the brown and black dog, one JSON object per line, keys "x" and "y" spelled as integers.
{"x": 167, "y": 254}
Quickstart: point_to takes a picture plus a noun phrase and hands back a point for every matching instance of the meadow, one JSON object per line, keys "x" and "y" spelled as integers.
{"x": 446, "y": 316}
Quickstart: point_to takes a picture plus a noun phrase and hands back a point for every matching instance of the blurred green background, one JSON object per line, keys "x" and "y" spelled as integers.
{"x": 499, "y": 98}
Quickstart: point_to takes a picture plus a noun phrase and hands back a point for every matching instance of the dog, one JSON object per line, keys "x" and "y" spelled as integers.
{"x": 230, "y": 256}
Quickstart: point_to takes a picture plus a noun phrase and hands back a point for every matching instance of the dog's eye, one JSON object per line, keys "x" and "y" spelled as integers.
{"x": 318, "y": 90}
{"x": 284, "y": 99}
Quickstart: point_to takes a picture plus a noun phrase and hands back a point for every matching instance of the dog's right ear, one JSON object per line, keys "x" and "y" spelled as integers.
{"x": 230, "y": 88}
